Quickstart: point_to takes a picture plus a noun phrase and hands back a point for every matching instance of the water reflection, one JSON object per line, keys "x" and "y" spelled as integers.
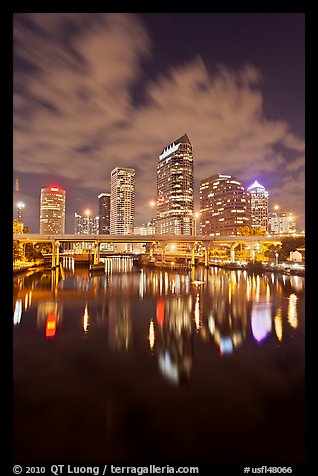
{"x": 49, "y": 317}
{"x": 85, "y": 319}
{"x": 278, "y": 324}
{"x": 174, "y": 341}
{"x": 120, "y": 326}
{"x": 222, "y": 308}
{"x": 151, "y": 335}
{"x": 17, "y": 314}
{"x": 261, "y": 320}
{"x": 292, "y": 311}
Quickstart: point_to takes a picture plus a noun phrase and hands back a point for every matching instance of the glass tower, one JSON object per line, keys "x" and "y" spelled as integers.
{"x": 224, "y": 205}
{"x": 104, "y": 213}
{"x": 259, "y": 205}
{"x": 175, "y": 201}
{"x": 122, "y": 201}
{"x": 52, "y": 211}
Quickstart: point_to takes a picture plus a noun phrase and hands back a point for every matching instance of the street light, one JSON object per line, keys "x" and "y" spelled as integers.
{"x": 276, "y": 255}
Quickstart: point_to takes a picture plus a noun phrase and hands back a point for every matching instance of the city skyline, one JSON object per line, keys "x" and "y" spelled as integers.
{"x": 97, "y": 91}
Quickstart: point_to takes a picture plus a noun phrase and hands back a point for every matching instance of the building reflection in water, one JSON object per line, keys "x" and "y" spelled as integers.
{"x": 17, "y": 314}
{"x": 197, "y": 312}
{"x": 85, "y": 319}
{"x": 151, "y": 335}
{"x": 49, "y": 317}
{"x": 278, "y": 324}
{"x": 174, "y": 340}
{"x": 224, "y": 308}
{"x": 261, "y": 321}
{"x": 292, "y": 311}
{"x": 119, "y": 325}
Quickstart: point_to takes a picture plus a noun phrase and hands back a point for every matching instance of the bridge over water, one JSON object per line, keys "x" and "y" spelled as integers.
{"x": 162, "y": 240}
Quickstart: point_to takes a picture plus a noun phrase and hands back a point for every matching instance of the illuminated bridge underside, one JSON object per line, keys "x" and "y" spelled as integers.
{"x": 204, "y": 239}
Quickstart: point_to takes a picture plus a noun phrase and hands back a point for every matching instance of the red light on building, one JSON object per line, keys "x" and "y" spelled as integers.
{"x": 50, "y": 324}
{"x": 160, "y": 311}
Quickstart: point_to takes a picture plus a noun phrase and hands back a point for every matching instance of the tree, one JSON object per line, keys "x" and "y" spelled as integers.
{"x": 291, "y": 243}
{"x": 31, "y": 253}
{"x": 17, "y": 226}
{"x": 249, "y": 231}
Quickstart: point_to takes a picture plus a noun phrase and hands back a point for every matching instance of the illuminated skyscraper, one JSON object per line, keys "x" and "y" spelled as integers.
{"x": 224, "y": 205}
{"x": 86, "y": 225}
{"x": 52, "y": 211}
{"x": 259, "y": 205}
{"x": 104, "y": 213}
{"x": 122, "y": 201}
{"x": 281, "y": 223}
{"x": 175, "y": 202}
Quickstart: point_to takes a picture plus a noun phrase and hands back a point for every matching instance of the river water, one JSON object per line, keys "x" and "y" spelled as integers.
{"x": 153, "y": 366}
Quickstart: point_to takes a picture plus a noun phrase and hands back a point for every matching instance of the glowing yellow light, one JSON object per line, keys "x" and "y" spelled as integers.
{"x": 278, "y": 324}
{"x": 152, "y": 203}
{"x": 292, "y": 311}
{"x": 197, "y": 313}
{"x": 268, "y": 292}
{"x": 85, "y": 319}
{"x": 151, "y": 336}
{"x": 276, "y": 207}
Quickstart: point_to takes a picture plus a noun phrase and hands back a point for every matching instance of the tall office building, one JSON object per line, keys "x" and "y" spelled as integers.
{"x": 224, "y": 205}
{"x": 175, "y": 198}
{"x": 104, "y": 213}
{"x": 86, "y": 225}
{"x": 52, "y": 211}
{"x": 122, "y": 201}
{"x": 259, "y": 205}
{"x": 281, "y": 223}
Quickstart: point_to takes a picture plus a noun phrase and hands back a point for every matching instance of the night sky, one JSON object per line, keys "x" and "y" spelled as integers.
{"x": 95, "y": 91}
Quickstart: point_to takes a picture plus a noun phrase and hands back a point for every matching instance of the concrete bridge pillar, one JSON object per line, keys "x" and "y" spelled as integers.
{"x": 96, "y": 252}
{"x": 53, "y": 254}
{"x": 193, "y": 254}
{"x": 151, "y": 250}
{"x": 57, "y": 254}
{"x": 206, "y": 254}
{"x": 163, "y": 248}
{"x": 252, "y": 252}
{"x": 232, "y": 252}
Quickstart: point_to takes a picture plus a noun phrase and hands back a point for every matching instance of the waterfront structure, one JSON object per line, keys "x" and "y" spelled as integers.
{"x": 224, "y": 205}
{"x": 52, "y": 211}
{"x": 122, "y": 201}
{"x": 104, "y": 213}
{"x": 175, "y": 192}
{"x": 259, "y": 205}
{"x": 86, "y": 225}
{"x": 281, "y": 223}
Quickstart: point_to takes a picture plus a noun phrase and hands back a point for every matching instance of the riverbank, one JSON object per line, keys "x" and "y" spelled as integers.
{"x": 249, "y": 267}
{"x": 24, "y": 267}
